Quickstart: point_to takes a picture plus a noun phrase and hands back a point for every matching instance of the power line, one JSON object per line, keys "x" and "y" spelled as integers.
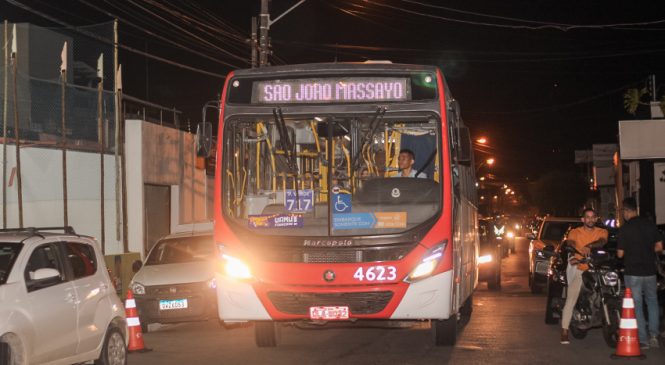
{"x": 183, "y": 29}
{"x": 110, "y": 42}
{"x": 146, "y": 31}
{"x": 508, "y": 26}
{"x": 410, "y": 52}
{"x": 562, "y": 106}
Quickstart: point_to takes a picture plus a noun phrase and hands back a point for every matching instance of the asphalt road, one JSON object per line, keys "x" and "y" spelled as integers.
{"x": 506, "y": 328}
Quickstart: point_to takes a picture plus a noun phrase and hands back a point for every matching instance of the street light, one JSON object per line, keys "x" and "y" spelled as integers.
{"x": 489, "y": 162}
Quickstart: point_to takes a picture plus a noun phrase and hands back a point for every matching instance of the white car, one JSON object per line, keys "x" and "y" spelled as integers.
{"x": 176, "y": 283}
{"x": 57, "y": 303}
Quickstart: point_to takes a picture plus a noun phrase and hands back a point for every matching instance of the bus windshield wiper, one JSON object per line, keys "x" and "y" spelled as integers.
{"x": 288, "y": 146}
{"x": 378, "y": 116}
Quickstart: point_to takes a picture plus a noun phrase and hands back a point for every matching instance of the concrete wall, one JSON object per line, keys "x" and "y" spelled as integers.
{"x": 163, "y": 156}
{"x": 42, "y": 192}
{"x": 154, "y": 155}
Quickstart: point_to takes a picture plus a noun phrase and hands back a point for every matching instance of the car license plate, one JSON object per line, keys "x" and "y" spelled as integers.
{"x": 329, "y": 313}
{"x": 542, "y": 267}
{"x": 173, "y": 304}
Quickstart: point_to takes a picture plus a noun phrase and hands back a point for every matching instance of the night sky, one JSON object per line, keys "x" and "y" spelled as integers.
{"x": 537, "y": 94}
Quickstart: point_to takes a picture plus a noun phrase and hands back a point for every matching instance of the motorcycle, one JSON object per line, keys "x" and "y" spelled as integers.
{"x": 600, "y": 299}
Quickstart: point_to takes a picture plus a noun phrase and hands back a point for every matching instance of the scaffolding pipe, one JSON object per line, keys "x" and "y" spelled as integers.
{"x": 17, "y": 137}
{"x": 5, "y": 78}
{"x": 63, "y": 126}
{"x": 100, "y": 126}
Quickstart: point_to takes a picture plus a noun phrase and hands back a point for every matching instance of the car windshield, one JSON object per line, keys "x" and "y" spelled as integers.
{"x": 8, "y": 253}
{"x": 182, "y": 250}
{"x": 554, "y": 231}
{"x": 327, "y": 175}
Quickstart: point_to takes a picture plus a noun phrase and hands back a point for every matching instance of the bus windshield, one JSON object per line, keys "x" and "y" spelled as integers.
{"x": 324, "y": 175}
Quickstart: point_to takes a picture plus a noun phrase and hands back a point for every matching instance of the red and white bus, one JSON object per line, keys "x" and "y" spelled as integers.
{"x": 312, "y": 222}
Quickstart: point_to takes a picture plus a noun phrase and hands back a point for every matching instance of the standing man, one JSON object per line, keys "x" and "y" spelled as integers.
{"x": 583, "y": 239}
{"x": 405, "y": 161}
{"x": 638, "y": 243}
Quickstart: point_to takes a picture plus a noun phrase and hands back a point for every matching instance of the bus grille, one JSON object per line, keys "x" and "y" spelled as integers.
{"x": 358, "y": 303}
{"x": 334, "y": 255}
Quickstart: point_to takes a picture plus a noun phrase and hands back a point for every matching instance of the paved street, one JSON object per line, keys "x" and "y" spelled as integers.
{"x": 506, "y": 328}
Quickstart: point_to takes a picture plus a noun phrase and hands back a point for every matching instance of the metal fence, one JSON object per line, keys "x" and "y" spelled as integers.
{"x": 41, "y": 101}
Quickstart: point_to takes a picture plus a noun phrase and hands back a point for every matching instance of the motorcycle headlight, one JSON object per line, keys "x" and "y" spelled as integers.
{"x": 427, "y": 265}
{"x": 484, "y": 259}
{"x": 137, "y": 288}
{"x": 610, "y": 278}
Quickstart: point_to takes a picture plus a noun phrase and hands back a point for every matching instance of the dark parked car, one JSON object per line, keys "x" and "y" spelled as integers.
{"x": 491, "y": 252}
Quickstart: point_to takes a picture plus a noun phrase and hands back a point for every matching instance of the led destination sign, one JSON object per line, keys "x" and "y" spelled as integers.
{"x": 346, "y": 90}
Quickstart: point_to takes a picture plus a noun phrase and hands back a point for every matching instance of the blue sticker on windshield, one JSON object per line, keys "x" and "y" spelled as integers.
{"x": 342, "y": 203}
{"x": 370, "y": 220}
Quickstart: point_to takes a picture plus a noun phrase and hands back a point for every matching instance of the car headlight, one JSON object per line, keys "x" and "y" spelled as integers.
{"x": 611, "y": 278}
{"x": 510, "y": 234}
{"x": 234, "y": 267}
{"x": 484, "y": 259}
{"x": 137, "y": 288}
{"x": 540, "y": 254}
{"x": 427, "y": 265}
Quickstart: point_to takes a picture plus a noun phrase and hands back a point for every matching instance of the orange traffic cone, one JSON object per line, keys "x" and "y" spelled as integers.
{"x": 628, "y": 345}
{"x": 134, "y": 332}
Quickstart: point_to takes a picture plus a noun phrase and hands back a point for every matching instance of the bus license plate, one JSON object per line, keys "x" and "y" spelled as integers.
{"x": 173, "y": 304}
{"x": 329, "y": 313}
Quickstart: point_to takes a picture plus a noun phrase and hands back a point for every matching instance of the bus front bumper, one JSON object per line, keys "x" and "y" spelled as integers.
{"x": 429, "y": 298}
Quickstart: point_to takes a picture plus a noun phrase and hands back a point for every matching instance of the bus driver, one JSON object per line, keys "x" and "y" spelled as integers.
{"x": 405, "y": 161}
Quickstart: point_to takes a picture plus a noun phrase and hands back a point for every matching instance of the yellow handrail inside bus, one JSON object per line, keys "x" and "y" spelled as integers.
{"x": 233, "y": 186}
{"x": 272, "y": 158}
{"x": 244, "y": 185}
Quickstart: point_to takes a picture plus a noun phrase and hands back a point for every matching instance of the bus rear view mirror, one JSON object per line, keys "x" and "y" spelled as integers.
{"x": 203, "y": 139}
{"x": 340, "y": 128}
{"x": 464, "y": 152}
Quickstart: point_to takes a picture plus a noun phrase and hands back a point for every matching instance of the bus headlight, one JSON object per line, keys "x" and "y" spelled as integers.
{"x": 234, "y": 267}
{"x": 427, "y": 264}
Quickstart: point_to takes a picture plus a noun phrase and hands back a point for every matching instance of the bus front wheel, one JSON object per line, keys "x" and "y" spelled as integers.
{"x": 266, "y": 333}
{"x": 444, "y": 331}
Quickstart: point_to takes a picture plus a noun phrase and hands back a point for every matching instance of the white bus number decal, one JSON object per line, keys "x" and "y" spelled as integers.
{"x": 376, "y": 273}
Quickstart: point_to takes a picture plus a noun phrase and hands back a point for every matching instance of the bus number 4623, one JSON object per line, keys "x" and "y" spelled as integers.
{"x": 376, "y": 273}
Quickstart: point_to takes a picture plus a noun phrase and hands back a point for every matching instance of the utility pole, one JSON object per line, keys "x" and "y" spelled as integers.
{"x": 253, "y": 44}
{"x": 264, "y": 26}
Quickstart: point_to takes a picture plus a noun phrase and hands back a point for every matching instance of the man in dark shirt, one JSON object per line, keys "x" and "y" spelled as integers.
{"x": 638, "y": 243}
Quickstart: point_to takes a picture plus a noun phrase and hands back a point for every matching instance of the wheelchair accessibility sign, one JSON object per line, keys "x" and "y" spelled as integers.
{"x": 342, "y": 203}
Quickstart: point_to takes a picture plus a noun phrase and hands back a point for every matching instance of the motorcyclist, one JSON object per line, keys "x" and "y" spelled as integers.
{"x": 582, "y": 239}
